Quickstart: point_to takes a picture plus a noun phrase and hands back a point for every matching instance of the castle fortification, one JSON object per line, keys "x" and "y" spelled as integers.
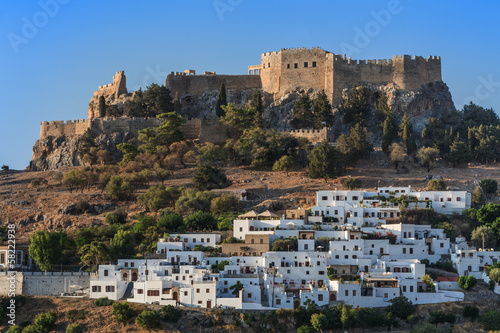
{"x": 111, "y": 92}
{"x": 291, "y": 69}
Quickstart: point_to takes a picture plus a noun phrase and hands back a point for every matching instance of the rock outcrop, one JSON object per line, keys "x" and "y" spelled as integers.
{"x": 55, "y": 152}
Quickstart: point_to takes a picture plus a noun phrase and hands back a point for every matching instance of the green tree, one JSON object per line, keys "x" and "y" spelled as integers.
{"x": 302, "y": 114}
{"x": 319, "y": 321}
{"x": 306, "y": 329}
{"x": 322, "y": 111}
{"x": 490, "y": 320}
{"x": 470, "y": 311}
{"x": 356, "y": 107}
{"x": 433, "y": 135}
{"x": 207, "y": 177}
{"x": 201, "y": 220}
{"x": 211, "y": 154}
{"x": 349, "y": 316}
{"x": 436, "y": 185}
{"x": 119, "y": 216}
{"x": 154, "y": 199}
{"x": 223, "y": 204}
{"x": 484, "y": 237}
{"x": 122, "y": 244}
{"x": 325, "y": 162}
{"x": 406, "y": 134}
{"x": 478, "y": 197}
{"x": 285, "y": 163}
{"x": 351, "y": 183}
{"x": 180, "y": 150}
{"x": 489, "y": 186}
{"x": 359, "y": 141}
{"x": 494, "y": 275}
{"x": 74, "y": 179}
{"x": 170, "y": 314}
{"x": 467, "y": 282}
{"x": 459, "y": 153}
{"x": 389, "y": 133}
{"x": 221, "y": 101}
{"x": 135, "y": 107}
{"x": 148, "y": 320}
{"x": 236, "y": 288}
{"x": 45, "y": 322}
{"x": 238, "y": 119}
{"x": 128, "y": 150}
{"x": 427, "y": 157}
{"x": 401, "y": 306}
{"x": 74, "y": 328}
{"x": 119, "y": 189}
{"x": 122, "y": 312}
{"x": 94, "y": 254}
{"x": 398, "y": 154}
{"x": 191, "y": 201}
{"x": 170, "y": 221}
{"x": 256, "y": 103}
{"x": 285, "y": 244}
{"x": 157, "y": 100}
{"x": 102, "y": 106}
{"x": 46, "y": 249}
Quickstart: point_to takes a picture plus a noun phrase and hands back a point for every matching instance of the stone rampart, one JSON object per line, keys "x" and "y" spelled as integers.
{"x": 198, "y": 84}
{"x": 314, "y": 135}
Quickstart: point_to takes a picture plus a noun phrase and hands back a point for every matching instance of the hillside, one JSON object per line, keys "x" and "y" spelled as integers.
{"x": 43, "y": 207}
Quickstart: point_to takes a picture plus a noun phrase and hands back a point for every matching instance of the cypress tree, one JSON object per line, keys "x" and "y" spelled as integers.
{"x": 221, "y": 100}
{"x": 302, "y": 113}
{"x": 322, "y": 111}
{"x": 256, "y": 103}
{"x": 406, "y": 134}
{"x": 102, "y": 106}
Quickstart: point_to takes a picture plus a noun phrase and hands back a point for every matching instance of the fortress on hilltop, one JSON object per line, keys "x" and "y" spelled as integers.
{"x": 278, "y": 73}
{"x": 291, "y": 69}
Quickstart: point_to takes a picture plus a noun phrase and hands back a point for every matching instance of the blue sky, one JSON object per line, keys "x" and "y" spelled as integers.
{"x": 55, "y": 53}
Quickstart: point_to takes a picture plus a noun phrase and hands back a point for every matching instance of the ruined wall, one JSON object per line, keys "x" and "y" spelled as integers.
{"x": 111, "y": 92}
{"x": 198, "y": 84}
{"x": 59, "y": 128}
{"x": 313, "y": 135}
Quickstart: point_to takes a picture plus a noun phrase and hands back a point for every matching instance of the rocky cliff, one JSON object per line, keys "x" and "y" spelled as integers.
{"x": 55, "y": 152}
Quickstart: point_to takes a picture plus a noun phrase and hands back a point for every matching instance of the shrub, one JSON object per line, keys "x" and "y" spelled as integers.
{"x": 223, "y": 204}
{"x": 306, "y": 329}
{"x": 104, "y": 301}
{"x": 467, "y": 282}
{"x": 170, "y": 314}
{"x": 470, "y": 311}
{"x": 489, "y": 186}
{"x": 170, "y": 221}
{"x": 148, "y": 320}
{"x": 119, "y": 189}
{"x": 119, "y": 216}
{"x": 38, "y": 182}
{"x": 289, "y": 243}
{"x": 436, "y": 185}
{"x": 75, "y": 314}
{"x": 285, "y": 163}
{"x": 5, "y": 167}
{"x": 351, "y": 183}
{"x": 491, "y": 285}
{"x": 122, "y": 312}
{"x": 15, "y": 329}
{"x": 45, "y": 322}
{"x": 74, "y": 328}
{"x": 490, "y": 320}
{"x": 207, "y": 177}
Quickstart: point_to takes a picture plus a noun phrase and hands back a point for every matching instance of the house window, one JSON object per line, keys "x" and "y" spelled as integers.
{"x": 306, "y": 246}
{"x": 347, "y": 292}
{"x": 324, "y": 198}
{"x": 241, "y": 228}
{"x": 225, "y": 283}
{"x": 249, "y": 295}
{"x": 278, "y": 301}
{"x": 354, "y": 293}
{"x": 386, "y": 295}
{"x": 337, "y": 256}
{"x": 96, "y": 289}
{"x": 110, "y": 289}
{"x": 411, "y": 289}
{"x": 203, "y": 240}
{"x": 131, "y": 264}
{"x": 197, "y": 290}
{"x": 321, "y": 272}
{"x": 126, "y": 264}
{"x": 207, "y": 291}
{"x": 288, "y": 66}
{"x": 404, "y": 250}
{"x": 314, "y": 63}
{"x": 355, "y": 197}
{"x": 307, "y": 272}
{"x": 268, "y": 65}
{"x": 306, "y": 64}
{"x": 295, "y": 65}
{"x": 287, "y": 271}
{"x": 404, "y": 289}
{"x": 194, "y": 240}
{"x": 153, "y": 293}
{"x": 441, "y": 244}
{"x": 140, "y": 291}
{"x": 411, "y": 250}
{"x": 458, "y": 198}
{"x": 225, "y": 290}
{"x": 185, "y": 293}
{"x": 346, "y": 256}
{"x": 105, "y": 272}
{"x": 261, "y": 241}
{"x": 252, "y": 241}
{"x": 355, "y": 214}
{"x": 2, "y": 258}
{"x": 320, "y": 297}
{"x": 200, "y": 302}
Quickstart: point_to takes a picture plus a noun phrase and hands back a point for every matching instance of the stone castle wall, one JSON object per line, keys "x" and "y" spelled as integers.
{"x": 198, "y": 84}
{"x": 193, "y": 129}
{"x": 313, "y": 135}
{"x": 111, "y": 92}
{"x": 302, "y": 68}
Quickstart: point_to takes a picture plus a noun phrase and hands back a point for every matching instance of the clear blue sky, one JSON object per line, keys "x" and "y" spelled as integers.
{"x": 53, "y": 57}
